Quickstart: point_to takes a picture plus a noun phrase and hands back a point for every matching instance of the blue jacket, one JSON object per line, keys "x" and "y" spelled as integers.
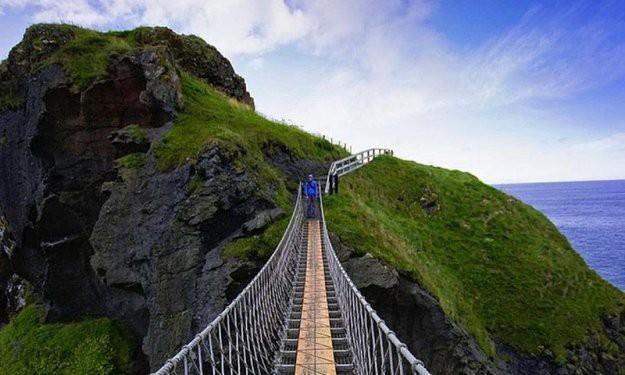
{"x": 311, "y": 188}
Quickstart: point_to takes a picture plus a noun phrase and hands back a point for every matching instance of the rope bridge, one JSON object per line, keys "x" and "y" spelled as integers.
{"x": 301, "y": 314}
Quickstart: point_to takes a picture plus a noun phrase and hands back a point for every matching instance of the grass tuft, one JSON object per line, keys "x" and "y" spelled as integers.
{"x": 86, "y": 57}
{"x": 131, "y": 161}
{"x": 137, "y": 133}
{"x": 260, "y": 246}
{"x": 10, "y": 99}
{"x": 28, "y": 346}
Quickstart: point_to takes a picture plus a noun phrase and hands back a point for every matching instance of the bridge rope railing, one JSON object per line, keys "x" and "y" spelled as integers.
{"x": 353, "y": 162}
{"x": 376, "y": 349}
{"x": 244, "y": 338}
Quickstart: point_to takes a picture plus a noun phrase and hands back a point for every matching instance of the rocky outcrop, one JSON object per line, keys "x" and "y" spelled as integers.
{"x": 186, "y": 52}
{"x": 93, "y": 238}
{"x": 199, "y": 58}
{"x": 40, "y": 41}
{"x": 415, "y": 316}
{"x": 157, "y": 247}
{"x": 57, "y": 155}
{"x": 446, "y": 348}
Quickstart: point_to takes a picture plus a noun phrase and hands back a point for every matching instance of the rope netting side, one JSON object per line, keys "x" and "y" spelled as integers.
{"x": 375, "y": 348}
{"x": 243, "y": 338}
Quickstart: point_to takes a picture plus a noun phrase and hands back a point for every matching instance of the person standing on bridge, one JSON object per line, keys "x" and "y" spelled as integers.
{"x": 310, "y": 189}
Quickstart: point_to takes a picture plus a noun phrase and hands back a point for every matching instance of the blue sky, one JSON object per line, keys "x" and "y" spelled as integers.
{"x": 510, "y": 91}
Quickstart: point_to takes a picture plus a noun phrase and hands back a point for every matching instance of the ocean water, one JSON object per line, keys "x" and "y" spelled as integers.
{"x": 591, "y": 215}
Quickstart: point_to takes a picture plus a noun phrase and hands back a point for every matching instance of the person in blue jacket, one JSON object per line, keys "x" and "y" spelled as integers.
{"x": 310, "y": 189}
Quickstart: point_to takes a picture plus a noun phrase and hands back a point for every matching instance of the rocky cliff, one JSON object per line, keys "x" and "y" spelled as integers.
{"x": 92, "y": 220}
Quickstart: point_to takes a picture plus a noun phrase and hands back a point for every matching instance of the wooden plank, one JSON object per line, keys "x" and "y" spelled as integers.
{"x": 315, "y": 354}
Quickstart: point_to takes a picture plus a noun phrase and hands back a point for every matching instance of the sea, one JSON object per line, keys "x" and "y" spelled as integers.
{"x": 592, "y": 216}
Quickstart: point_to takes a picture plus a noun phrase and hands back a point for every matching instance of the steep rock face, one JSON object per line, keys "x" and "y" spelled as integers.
{"x": 158, "y": 243}
{"x": 96, "y": 239}
{"x": 57, "y": 155}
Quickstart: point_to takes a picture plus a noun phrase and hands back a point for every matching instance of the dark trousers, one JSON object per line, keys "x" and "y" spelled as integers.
{"x": 310, "y": 212}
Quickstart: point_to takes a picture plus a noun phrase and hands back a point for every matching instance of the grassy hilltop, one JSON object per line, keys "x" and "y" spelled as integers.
{"x": 497, "y": 266}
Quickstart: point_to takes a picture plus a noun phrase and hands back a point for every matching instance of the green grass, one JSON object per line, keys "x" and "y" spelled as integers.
{"x": 260, "y": 246}
{"x": 95, "y": 347}
{"x": 131, "y": 161}
{"x": 137, "y": 133}
{"x": 497, "y": 266}
{"x": 209, "y": 117}
{"x": 10, "y": 98}
{"x": 86, "y": 57}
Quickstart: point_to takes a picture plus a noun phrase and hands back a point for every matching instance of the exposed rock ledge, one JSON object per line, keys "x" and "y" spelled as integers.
{"x": 418, "y": 319}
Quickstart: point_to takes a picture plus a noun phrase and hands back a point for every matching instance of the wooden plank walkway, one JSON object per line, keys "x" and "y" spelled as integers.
{"x": 315, "y": 354}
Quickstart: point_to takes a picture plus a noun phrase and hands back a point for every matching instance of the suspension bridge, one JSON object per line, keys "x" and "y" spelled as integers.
{"x": 301, "y": 314}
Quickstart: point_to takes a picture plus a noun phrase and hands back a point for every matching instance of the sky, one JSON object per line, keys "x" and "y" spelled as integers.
{"x": 511, "y": 91}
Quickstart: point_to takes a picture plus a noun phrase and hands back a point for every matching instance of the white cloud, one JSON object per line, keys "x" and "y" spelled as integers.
{"x": 234, "y": 26}
{"x": 400, "y": 84}
{"x": 377, "y": 73}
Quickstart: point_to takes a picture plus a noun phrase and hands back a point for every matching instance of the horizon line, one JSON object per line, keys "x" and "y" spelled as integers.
{"x": 554, "y": 182}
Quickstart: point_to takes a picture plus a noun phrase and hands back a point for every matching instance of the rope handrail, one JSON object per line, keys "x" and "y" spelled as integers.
{"x": 366, "y": 331}
{"x": 244, "y": 337}
{"x": 351, "y": 163}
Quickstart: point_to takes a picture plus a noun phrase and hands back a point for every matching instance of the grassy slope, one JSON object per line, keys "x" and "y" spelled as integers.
{"x": 496, "y": 265}
{"x": 99, "y": 347}
{"x": 210, "y": 117}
